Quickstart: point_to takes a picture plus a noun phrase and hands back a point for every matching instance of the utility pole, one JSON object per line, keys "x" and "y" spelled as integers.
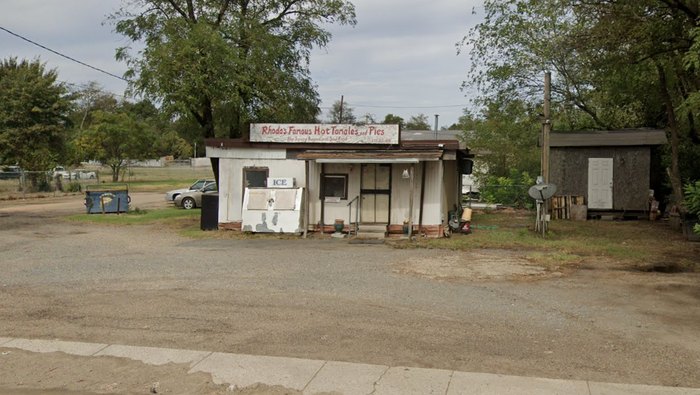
{"x": 340, "y": 116}
{"x": 546, "y": 126}
{"x": 543, "y": 207}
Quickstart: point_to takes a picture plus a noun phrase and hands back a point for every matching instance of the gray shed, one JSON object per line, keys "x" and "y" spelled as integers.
{"x": 611, "y": 169}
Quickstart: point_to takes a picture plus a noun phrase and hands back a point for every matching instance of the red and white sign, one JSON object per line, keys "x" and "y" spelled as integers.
{"x": 324, "y": 133}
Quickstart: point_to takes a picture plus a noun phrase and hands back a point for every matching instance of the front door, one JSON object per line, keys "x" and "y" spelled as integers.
{"x": 375, "y": 191}
{"x": 600, "y": 183}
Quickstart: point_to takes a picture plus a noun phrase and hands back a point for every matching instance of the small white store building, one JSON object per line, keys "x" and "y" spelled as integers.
{"x": 299, "y": 178}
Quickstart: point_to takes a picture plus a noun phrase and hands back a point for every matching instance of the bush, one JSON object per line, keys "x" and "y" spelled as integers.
{"x": 74, "y": 187}
{"x": 509, "y": 191}
{"x": 691, "y": 200}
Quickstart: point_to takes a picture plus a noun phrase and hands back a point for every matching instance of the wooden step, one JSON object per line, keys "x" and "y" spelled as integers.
{"x": 371, "y": 231}
{"x": 370, "y": 235}
{"x": 372, "y": 228}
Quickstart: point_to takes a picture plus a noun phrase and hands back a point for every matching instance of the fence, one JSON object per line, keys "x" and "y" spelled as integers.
{"x": 507, "y": 195}
{"x": 41, "y": 182}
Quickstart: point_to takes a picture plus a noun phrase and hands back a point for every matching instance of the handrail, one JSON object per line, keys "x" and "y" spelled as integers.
{"x": 349, "y": 205}
{"x": 353, "y": 200}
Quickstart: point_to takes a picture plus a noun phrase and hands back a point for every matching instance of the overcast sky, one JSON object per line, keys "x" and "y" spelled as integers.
{"x": 400, "y": 58}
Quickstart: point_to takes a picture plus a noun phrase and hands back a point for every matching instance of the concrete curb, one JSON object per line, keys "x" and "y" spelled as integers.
{"x": 314, "y": 376}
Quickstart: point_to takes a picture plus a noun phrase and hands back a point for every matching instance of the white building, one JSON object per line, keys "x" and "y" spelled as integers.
{"x": 371, "y": 176}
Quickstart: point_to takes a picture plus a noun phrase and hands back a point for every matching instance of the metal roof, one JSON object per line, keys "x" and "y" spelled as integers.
{"x": 595, "y": 138}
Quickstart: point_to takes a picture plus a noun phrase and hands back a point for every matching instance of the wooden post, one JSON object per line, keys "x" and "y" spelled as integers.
{"x": 410, "y": 201}
{"x": 306, "y": 196}
{"x": 323, "y": 199}
{"x": 547, "y": 127}
{"x": 340, "y": 116}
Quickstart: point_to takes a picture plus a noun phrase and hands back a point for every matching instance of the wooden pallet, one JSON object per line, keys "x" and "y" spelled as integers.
{"x": 561, "y": 205}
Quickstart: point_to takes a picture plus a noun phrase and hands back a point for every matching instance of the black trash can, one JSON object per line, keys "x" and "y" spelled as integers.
{"x": 210, "y": 212}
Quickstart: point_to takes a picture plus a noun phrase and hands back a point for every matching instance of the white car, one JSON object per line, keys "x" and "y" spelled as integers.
{"x": 199, "y": 184}
{"x": 60, "y": 171}
{"x": 83, "y": 174}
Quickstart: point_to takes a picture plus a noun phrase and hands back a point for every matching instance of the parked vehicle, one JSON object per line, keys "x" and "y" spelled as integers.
{"x": 193, "y": 199}
{"x": 60, "y": 171}
{"x": 199, "y": 184}
{"x": 82, "y": 174}
{"x": 10, "y": 172}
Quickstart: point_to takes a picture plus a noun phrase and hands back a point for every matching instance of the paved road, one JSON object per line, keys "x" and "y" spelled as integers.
{"x": 327, "y": 300}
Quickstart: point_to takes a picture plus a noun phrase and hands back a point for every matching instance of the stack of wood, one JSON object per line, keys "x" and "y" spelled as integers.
{"x": 562, "y": 206}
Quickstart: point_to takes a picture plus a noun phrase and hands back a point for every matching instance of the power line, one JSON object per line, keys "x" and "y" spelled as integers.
{"x": 62, "y": 55}
{"x": 408, "y": 107}
{"x": 399, "y": 107}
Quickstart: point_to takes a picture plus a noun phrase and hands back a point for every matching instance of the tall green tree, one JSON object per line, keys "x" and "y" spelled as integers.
{"x": 227, "y": 63}
{"x": 115, "y": 138}
{"x": 615, "y": 64}
{"x": 34, "y": 111}
{"x": 341, "y": 113}
{"x": 418, "y": 122}
{"x": 394, "y": 120}
{"x": 91, "y": 97}
{"x": 504, "y": 137}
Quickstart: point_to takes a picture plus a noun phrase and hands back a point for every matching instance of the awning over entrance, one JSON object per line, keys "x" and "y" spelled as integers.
{"x": 378, "y": 156}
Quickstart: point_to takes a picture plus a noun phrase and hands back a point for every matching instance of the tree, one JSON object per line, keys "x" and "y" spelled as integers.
{"x": 504, "y": 137}
{"x": 615, "y": 64}
{"x": 33, "y": 114}
{"x": 367, "y": 119}
{"x": 91, "y": 97}
{"x": 227, "y": 63}
{"x": 392, "y": 119}
{"x": 344, "y": 114}
{"x": 113, "y": 139}
{"x": 170, "y": 143}
{"x": 418, "y": 122}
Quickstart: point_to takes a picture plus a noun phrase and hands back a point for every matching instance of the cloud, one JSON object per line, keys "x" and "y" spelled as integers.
{"x": 400, "y": 54}
{"x": 72, "y": 27}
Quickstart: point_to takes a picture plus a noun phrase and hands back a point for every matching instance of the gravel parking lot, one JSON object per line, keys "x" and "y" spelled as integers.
{"x": 327, "y": 299}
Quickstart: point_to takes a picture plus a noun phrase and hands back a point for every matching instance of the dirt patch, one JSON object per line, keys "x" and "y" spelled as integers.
{"x": 478, "y": 265}
{"x": 29, "y": 373}
{"x": 666, "y": 267}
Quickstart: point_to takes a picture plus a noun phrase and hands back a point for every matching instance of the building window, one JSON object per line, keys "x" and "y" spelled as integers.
{"x": 334, "y": 186}
{"x": 255, "y": 177}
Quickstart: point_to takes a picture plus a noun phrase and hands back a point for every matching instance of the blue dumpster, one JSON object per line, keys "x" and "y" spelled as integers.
{"x": 107, "y": 200}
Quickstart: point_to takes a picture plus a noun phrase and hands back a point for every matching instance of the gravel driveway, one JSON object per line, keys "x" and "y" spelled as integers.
{"x": 326, "y": 299}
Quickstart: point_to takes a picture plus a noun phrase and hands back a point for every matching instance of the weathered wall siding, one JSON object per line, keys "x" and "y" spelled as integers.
{"x": 631, "y": 173}
{"x": 433, "y": 204}
{"x": 246, "y": 153}
{"x": 333, "y": 211}
{"x": 451, "y": 185}
{"x": 400, "y": 197}
{"x": 440, "y": 186}
{"x": 225, "y": 203}
{"x": 231, "y": 180}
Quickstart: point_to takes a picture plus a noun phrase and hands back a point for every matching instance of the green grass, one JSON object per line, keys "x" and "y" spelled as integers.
{"x": 569, "y": 242}
{"x": 138, "y": 179}
{"x": 171, "y": 217}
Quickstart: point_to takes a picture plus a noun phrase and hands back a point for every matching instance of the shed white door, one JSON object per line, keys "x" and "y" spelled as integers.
{"x": 600, "y": 183}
